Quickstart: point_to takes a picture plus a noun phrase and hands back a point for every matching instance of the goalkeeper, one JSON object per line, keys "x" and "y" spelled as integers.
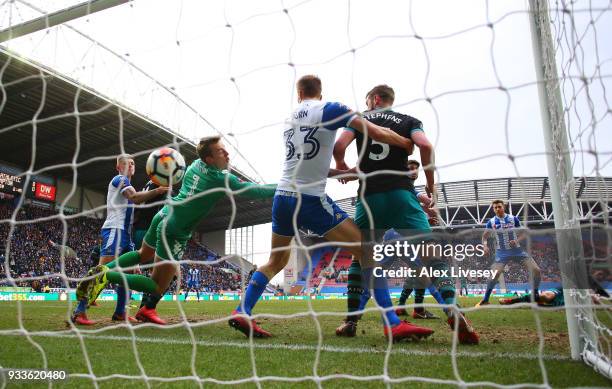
{"x": 206, "y": 182}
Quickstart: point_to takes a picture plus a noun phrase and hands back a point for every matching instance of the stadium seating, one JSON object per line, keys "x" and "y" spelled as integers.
{"x": 31, "y": 255}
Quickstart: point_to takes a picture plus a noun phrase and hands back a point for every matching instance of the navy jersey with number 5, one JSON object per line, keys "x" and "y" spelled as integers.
{"x": 380, "y": 156}
{"x": 309, "y": 145}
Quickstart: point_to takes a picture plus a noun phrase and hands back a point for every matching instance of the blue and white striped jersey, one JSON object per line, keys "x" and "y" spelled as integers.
{"x": 504, "y": 231}
{"x": 193, "y": 275}
{"x": 309, "y": 144}
{"x": 118, "y": 208}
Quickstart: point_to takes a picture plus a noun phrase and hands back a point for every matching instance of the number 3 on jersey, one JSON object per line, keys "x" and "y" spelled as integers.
{"x": 309, "y": 138}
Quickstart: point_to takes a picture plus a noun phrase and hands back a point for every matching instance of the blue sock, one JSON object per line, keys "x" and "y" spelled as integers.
{"x": 254, "y": 290}
{"x": 487, "y": 294}
{"x": 365, "y": 297}
{"x": 381, "y": 295}
{"x": 436, "y": 294}
{"x": 82, "y": 307}
{"x": 121, "y": 299}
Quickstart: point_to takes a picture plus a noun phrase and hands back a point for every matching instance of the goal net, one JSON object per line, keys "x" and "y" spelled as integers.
{"x": 513, "y": 96}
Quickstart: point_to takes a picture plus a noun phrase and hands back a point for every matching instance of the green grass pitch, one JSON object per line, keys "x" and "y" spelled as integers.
{"x": 508, "y": 353}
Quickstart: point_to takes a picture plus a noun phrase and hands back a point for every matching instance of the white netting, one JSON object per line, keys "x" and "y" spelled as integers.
{"x": 191, "y": 69}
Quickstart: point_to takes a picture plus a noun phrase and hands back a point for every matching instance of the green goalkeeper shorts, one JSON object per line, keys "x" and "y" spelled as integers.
{"x": 174, "y": 244}
{"x": 398, "y": 209}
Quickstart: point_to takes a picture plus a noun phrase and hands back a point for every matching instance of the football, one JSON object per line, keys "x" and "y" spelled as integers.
{"x": 165, "y": 166}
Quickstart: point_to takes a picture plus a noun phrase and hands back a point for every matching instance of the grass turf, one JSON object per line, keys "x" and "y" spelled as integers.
{"x": 507, "y": 354}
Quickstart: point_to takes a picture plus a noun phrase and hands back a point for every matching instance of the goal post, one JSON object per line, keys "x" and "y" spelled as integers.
{"x": 582, "y": 335}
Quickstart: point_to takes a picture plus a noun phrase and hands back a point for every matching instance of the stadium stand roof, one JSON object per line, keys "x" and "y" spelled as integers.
{"x": 480, "y": 193}
{"x": 103, "y": 125}
{"x": 94, "y": 136}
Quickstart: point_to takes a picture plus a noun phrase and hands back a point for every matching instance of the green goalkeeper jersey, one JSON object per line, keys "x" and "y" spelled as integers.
{"x": 204, "y": 185}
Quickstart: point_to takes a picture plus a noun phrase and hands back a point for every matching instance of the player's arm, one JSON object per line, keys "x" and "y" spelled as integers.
{"x": 142, "y": 197}
{"x": 427, "y": 160}
{"x": 343, "y": 142}
{"x": 336, "y": 115}
{"x": 348, "y": 175}
{"x": 521, "y": 235}
{"x": 250, "y": 189}
{"x": 381, "y": 134}
{"x": 485, "y": 237}
{"x": 127, "y": 190}
{"x": 424, "y": 199}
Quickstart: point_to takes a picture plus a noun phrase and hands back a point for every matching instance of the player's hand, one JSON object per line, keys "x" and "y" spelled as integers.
{"x": 512, "y": 243}
{"x": 162, "y": 190}
{"x": 341, "y": 165}
{"x": 486, "y": 249}
{"x": 345, "y": 180}
{"x": 432, "y": 194}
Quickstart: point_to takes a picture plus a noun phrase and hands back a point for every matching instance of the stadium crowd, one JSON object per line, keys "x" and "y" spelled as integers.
{"x": 32, "y": 254}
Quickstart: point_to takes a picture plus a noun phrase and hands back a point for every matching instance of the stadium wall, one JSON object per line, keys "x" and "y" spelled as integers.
{"x": 82, "y": 199}
{"x": 215, "y": 240}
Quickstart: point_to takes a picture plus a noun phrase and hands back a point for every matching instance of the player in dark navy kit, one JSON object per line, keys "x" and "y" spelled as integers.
{"x": 144, "y": 215}
{"x": 392, "y": 200}
{"x": 505, "y": 229}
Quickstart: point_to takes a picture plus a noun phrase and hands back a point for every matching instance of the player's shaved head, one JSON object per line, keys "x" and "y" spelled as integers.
{"x": 123, "y": 157}
{"x": 309, "y": 86}
{"x": 125, "y": 165}
{"x": 384, "y": 91}
{"x": 203, "y": 148}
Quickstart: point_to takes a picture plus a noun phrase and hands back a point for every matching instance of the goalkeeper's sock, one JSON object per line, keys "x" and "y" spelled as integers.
{"x": 381, "y": 295}
{"x": 134, "y": 281}
{"x": 81, "y": 307}
{"x": 198, "y": 295}
{"x": 186, "y": 294}
{"x": 128, "y": 259}
{"x": 122, "y": 297}
{"x": 355, "y": 290}
{"x": 256, "y": 287}
{"x": 406, "y": 292}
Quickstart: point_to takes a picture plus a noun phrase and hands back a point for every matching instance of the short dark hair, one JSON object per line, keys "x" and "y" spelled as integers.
{"x": 310, "y": 85}
{"x": 498, "y": 202}
{"x": 413, "y": 162}
{"x": 384, "y": 91}
{"x": 203, "y": 147}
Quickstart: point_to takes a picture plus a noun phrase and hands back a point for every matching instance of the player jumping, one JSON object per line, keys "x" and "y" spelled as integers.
{"x": 301, "y": 198}
{"x": 205, "y": 183}
{"x": 507, "y": 248}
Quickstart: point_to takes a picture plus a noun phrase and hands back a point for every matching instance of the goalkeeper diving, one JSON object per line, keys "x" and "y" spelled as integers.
{"x": 206, "y": 182}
